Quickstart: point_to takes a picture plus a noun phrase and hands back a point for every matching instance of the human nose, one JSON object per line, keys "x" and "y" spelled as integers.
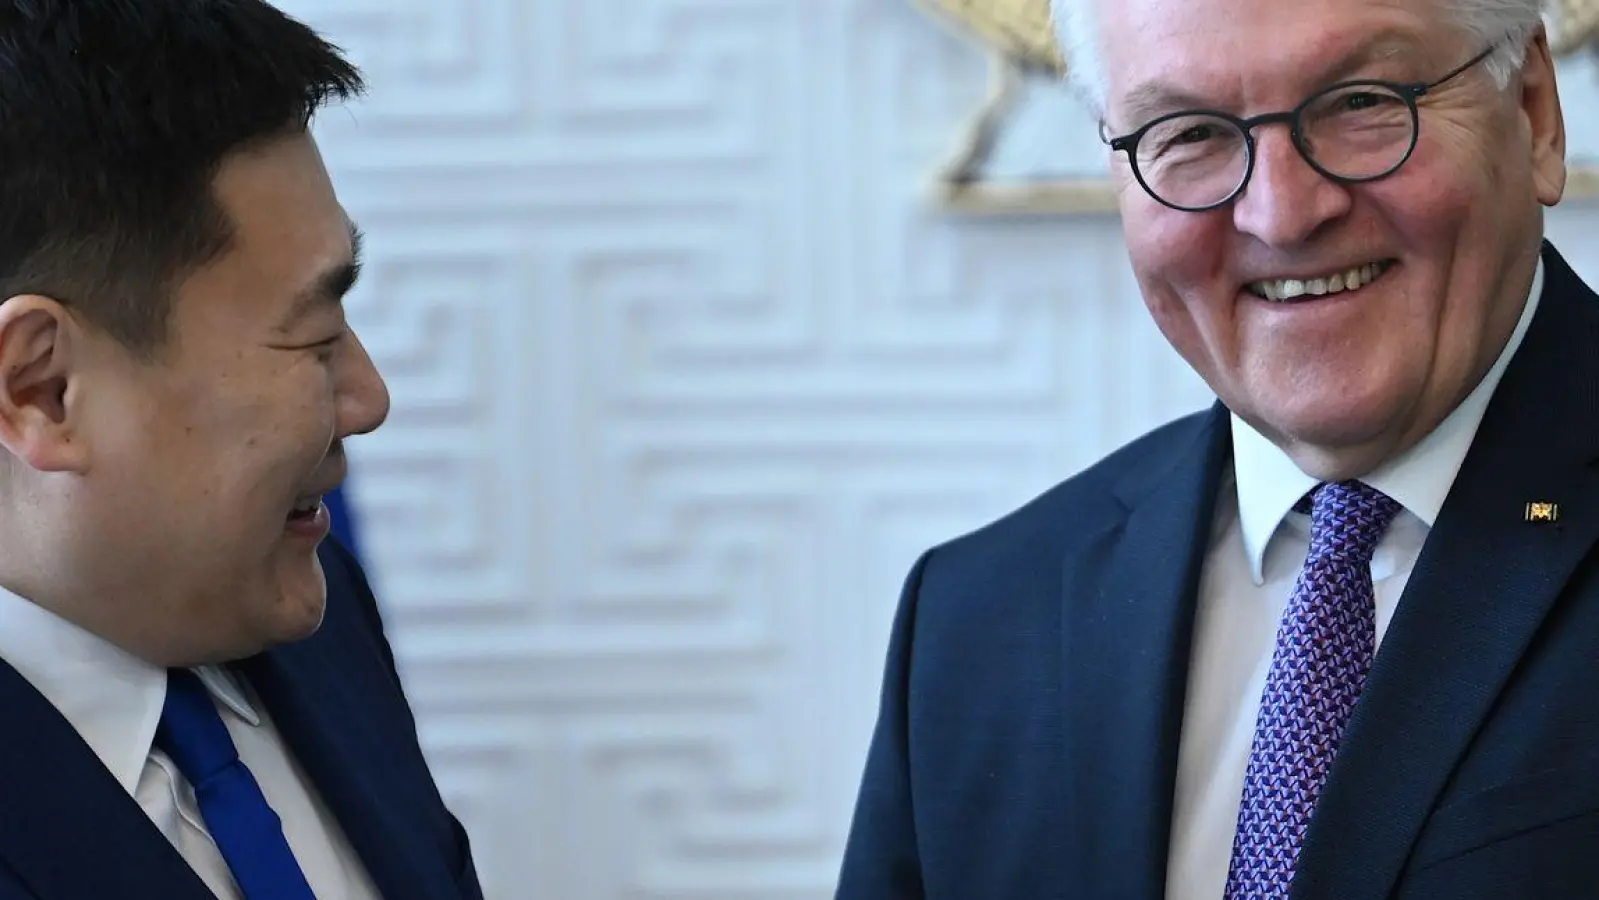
{"x": 1287, "y": 201}
{"x": 363, "y": 397}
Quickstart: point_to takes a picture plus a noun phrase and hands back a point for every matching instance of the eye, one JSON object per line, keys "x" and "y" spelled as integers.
{"x": 1360, "y": 101}
{"x": 324, "y": 348}
{"x": 1195, "y": 134}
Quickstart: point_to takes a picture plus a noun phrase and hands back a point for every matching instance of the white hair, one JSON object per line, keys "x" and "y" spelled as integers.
{"x": 1510, "y": 23}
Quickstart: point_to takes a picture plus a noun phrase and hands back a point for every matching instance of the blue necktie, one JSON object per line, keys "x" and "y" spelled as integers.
{"x": 246, "y": 830}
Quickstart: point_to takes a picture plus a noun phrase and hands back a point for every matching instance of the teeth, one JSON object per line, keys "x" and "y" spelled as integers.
{"x": 1290, "y": 288}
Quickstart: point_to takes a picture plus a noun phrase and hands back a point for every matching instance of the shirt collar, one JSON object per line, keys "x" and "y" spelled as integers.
{"x": 1269, "y": 483}
{"x": 110, "y": 697}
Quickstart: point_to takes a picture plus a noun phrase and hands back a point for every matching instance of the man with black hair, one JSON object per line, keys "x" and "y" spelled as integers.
{"x": 197, "y": 695}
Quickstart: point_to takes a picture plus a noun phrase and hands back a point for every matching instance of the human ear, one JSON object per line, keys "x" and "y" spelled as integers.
{"x": 1540, "y": 108}
{"x": 37, "y": 424}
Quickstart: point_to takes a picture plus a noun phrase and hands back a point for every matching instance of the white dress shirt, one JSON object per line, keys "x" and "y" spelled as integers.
{"x": 1258, "y": 545}
{"x": 114, "y": 702}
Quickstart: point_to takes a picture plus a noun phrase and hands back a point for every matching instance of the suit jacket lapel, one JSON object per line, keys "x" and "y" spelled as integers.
{"x": 1484, "y": 582}
{"x": 67, "y": 828}
{"x": 331, "y": 728}
{"x": 1127, "y": 628}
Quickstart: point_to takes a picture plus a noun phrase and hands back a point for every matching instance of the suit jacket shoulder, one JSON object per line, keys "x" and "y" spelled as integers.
{"x": 1005, "y": 641}
{"x": 350, "y": 593}
{"x": 1077, "y": 508}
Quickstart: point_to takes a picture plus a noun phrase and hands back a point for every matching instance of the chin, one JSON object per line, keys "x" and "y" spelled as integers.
{"x": 1330, "y": 419}
{"x": 301, "y": 601}
{"x": 1333, "y": 448}
{"x": 296, "y": 618}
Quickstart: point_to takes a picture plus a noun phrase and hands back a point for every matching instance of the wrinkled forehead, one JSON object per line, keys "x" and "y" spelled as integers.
{"x": 1159, "y": 52}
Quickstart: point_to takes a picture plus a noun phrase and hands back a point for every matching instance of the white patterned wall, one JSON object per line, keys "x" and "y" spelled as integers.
{"x": 686, "y": 373}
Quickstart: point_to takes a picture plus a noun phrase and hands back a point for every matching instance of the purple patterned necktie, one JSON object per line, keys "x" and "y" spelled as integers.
{"x": 1324, "y": 648}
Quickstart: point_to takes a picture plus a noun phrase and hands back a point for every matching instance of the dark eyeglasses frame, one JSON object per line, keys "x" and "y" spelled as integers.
{"x": 1410, "y": 92}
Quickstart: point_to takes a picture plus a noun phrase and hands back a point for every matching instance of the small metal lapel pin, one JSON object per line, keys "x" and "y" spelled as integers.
{"x": 1542, "y": 512}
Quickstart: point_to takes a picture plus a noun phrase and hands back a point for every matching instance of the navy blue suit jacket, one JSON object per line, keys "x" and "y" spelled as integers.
{"x": 68, "y": 831}
{"x": 1026, "y": 745}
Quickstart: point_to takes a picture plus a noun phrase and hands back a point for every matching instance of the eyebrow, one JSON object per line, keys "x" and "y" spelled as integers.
{"x": 329, "y": 287}
{"x": 1152, "y": 98}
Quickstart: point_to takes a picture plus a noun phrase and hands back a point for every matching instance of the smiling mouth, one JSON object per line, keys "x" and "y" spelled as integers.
{"x": 306, "y": 509}
{"x": 1299, "y": 289}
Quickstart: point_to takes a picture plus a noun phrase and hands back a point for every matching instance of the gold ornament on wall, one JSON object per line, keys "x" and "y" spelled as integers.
{"x": 1020, "y": 40}
{"x": 1576, "y": 25}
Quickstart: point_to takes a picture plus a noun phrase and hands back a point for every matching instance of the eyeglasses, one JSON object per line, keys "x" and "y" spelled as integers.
{"x": 1353, "y": 131}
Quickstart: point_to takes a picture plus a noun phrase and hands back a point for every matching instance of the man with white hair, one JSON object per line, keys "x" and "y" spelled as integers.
{"x": 1335, "y": 637}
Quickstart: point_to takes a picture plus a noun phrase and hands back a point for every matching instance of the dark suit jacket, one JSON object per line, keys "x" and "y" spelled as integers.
{"x": 1026, "y": 745}
{"x": 68, "y": 831}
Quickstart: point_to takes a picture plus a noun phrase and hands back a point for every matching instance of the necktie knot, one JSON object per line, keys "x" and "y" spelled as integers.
{"x": 191, "y": 732}
{"x": 247, "y": 832}
{"x": 1348, "y": 519}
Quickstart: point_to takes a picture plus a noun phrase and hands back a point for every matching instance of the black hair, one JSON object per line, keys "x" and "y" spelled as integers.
{"x": 115, "y": 116}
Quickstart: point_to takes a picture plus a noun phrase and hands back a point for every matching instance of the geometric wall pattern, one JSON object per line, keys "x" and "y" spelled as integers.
{"x": 687, "y": 369}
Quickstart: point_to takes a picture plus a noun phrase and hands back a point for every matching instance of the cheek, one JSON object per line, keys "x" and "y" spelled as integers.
{"x": 1180, "y": 261}
{"x": 320, "y": 420}
{"x": 1452, "y": 219}
{"x": 1442, "y": 188}
{"x": 317, "y": 413}
{"x": 1182, "y": 249}
{"x": 278, "y": 434}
